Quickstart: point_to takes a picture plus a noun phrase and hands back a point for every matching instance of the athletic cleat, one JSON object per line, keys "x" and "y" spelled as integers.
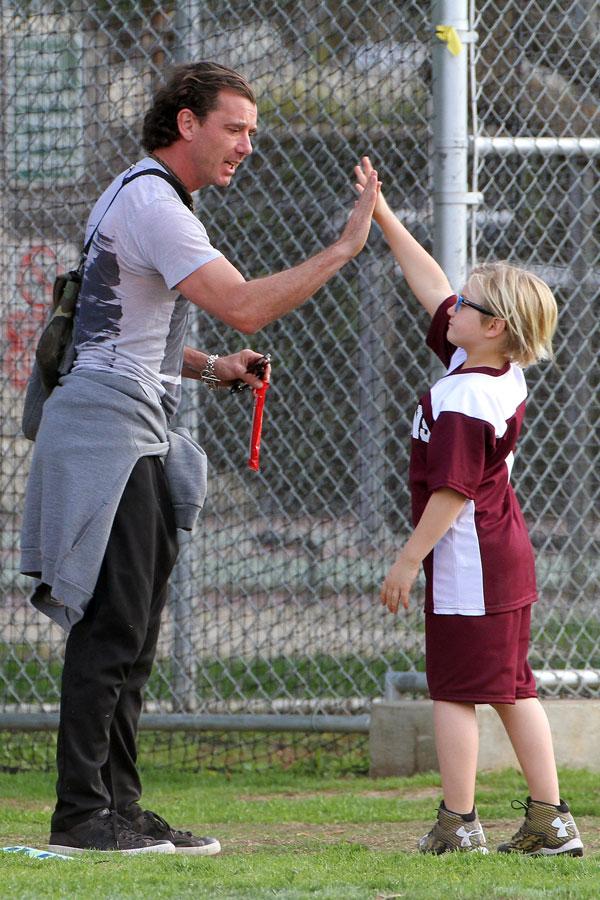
{"x": 454, "y": 831}
{"x": 547, "y": 831}
{"x": 143, "y": 821}
{"x": 106, "y": 830}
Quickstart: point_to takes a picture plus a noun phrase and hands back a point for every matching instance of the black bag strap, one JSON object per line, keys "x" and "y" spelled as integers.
{"x": 184, "y": 196}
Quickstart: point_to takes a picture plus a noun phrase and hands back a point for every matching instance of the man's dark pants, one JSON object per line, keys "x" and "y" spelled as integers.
{"x": 109, "y": 654}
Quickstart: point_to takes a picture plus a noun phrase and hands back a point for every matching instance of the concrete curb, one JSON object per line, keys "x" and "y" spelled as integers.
{"x": 401, "y": 737}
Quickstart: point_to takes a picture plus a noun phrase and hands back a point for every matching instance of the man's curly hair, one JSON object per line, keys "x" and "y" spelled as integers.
{"x": 192, "y": 86}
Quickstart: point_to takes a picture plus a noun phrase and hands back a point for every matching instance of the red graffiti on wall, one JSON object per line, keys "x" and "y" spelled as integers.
{"x": 36, "y": 271}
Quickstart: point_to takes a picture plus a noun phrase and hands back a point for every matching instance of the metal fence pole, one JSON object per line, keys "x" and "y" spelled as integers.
{"x": 372, "y": 426}
{"x": 578, "y": 381}
{"x": 451, "y": 142}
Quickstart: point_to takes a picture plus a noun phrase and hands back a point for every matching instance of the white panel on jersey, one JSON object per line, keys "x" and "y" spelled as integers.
{"x": 457, "y": 572}
{"x": 510, "y": 460}
{"x": 491, "y": 398}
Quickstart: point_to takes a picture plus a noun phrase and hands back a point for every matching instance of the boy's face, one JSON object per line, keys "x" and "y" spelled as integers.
{"x": 467, "y": 326}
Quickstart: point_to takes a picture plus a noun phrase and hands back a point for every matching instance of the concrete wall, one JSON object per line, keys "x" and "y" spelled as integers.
{"x": 401, "y": 736}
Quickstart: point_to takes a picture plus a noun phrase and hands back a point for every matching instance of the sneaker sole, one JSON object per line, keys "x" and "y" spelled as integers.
{"x": 571, "y": 848}
{"x": 206, "y": 850}
{"x": 167, "y": 847}
{"x": 449, "y": 849}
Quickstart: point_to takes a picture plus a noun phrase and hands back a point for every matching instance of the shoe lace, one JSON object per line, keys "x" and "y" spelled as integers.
{"x": 117, "y": 829}
{"x": 518, "y": 804}
{"x": 164, "y": 824}
{"x": 121, "y": 828}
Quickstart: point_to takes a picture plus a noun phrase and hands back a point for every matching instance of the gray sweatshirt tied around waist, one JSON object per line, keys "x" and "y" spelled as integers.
{"x": 95, "y": 426}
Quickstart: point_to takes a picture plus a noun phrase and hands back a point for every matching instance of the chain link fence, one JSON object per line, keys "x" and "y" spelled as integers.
{"x": 274, "y": 600}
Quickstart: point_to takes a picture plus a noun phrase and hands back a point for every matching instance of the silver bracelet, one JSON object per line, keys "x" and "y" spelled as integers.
{"x": 208, "y": 375}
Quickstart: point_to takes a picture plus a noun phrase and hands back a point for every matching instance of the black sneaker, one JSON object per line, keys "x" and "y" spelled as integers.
{"x": 143, "y": 821}
{"x": 108, "y": 831}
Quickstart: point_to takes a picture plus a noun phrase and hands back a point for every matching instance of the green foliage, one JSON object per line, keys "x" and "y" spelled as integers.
{"x": 257, "y": 677}
{"x": 555, "y": 644}
{"x": 318, "y": 675}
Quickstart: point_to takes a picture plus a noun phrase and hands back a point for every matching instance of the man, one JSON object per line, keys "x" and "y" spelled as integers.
{"x": 109, "y": 482}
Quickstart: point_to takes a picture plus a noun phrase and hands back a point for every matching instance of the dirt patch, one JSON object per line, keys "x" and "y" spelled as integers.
{"x": 423, "y": 793}
{"x": 380, "y": 836}
{"x": 21, "y": 804}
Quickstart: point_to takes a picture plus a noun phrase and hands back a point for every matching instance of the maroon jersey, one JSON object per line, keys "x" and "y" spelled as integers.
{"x": 463, "y": 437}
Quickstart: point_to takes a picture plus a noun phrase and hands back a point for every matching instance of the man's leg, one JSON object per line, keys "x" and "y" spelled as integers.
{"x": 120, "y": 774}
{"x": 103, "y": 647}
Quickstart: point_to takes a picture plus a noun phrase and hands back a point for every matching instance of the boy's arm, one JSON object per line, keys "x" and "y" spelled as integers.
{"x": 424, "y": 276}
{"x": 442, "y": 509}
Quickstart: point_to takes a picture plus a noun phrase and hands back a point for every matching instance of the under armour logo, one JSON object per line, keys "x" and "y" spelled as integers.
{"x": 562, "y": 827}
{"x": 467, "y": 835}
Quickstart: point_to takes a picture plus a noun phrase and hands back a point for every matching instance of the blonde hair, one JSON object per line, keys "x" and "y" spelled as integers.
{"x": 525, "y": 303}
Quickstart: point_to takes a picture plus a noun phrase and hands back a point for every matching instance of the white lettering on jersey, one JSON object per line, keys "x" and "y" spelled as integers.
{"x": 420, "y": 429}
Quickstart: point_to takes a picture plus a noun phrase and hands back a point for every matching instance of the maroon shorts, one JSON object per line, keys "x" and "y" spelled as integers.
{"x": 479, "y": 659}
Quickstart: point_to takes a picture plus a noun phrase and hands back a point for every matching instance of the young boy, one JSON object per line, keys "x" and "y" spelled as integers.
{"x": 470, "y": 536}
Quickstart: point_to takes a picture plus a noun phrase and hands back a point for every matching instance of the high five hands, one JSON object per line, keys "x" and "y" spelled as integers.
{"x": 357, "y": 228}
{"x": 363, "y": 172}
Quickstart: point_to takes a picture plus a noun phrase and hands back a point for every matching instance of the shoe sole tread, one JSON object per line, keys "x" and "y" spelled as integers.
{"x": 167, "y": 847}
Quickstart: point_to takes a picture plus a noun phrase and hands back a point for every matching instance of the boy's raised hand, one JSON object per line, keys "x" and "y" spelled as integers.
{"x": 358, "y": 225}
{"x": 362, "y": 173}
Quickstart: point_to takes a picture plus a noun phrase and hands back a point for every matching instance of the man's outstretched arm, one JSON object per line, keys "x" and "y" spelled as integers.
{"x": 248, "y": 306}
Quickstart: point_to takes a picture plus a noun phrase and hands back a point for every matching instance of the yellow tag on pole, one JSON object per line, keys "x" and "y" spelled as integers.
{"x": 449, "y": 35}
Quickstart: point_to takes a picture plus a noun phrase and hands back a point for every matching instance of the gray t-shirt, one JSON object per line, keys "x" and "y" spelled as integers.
{"x": 129, "y": 320}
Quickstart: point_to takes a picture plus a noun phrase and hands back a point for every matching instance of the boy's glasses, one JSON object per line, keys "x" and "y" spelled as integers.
{"x": 464, "y": 301}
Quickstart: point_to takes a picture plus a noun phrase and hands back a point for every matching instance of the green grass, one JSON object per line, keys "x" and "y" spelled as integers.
{"x": 302, "y": 836}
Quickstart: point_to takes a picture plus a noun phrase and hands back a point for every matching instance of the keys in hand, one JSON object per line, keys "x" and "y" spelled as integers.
{"x": 257, "y": 368}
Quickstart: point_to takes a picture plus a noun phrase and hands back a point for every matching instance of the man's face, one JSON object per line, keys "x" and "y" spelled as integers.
{"x": 222, "y": 141}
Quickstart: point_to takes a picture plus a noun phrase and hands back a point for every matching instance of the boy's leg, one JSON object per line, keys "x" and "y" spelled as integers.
{"x": 549, "y": 828}
{"x": 529, "y": 732}
{"x": 526, "y": 723}
{"x": 457, "y": 741}
{"x": 457, "y": 745}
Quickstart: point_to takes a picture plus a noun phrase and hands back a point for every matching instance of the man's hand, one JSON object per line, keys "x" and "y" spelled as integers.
{"x": 227, "y": 368}
{"x": 398, "y": 583}
{"x": 235, "y": 367}
{"x": 363, "y": 172}
{"x": 356, "y": 232}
